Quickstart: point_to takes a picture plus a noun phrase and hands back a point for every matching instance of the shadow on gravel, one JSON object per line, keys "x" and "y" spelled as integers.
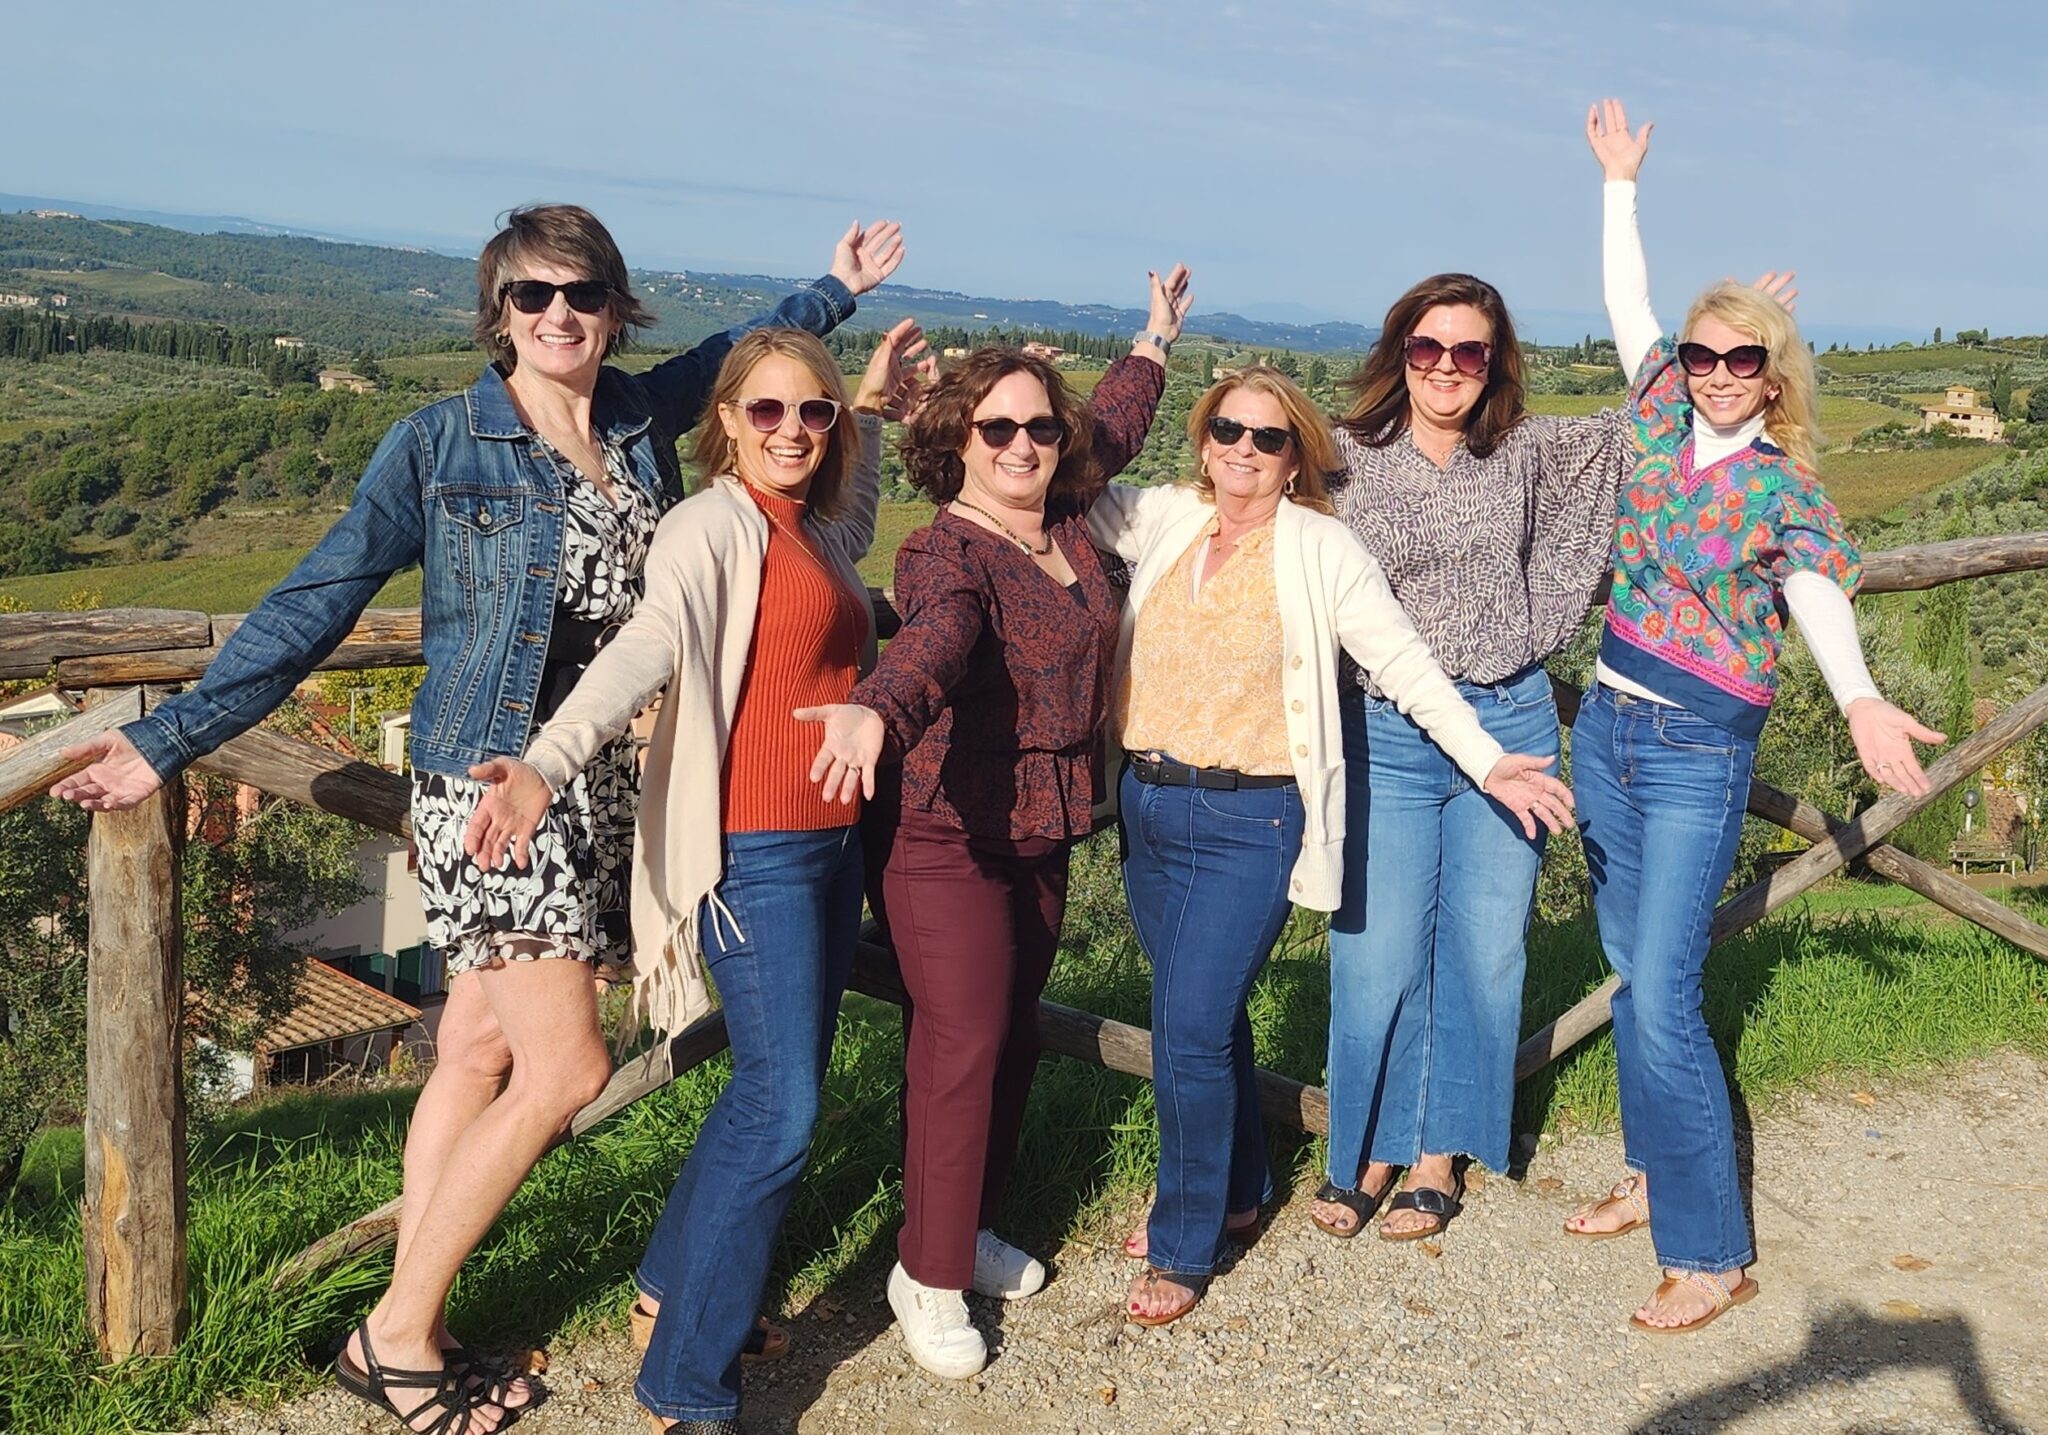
{"x": 1845, "y": 1345}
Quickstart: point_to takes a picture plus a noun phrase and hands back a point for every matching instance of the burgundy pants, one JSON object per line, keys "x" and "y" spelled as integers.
{"x": 975, "y": 922}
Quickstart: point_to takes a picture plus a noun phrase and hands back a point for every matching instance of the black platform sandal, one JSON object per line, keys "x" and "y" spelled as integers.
{"x": 1441, "y": 1206}
{"x": 452, "y": 1401}
{"x": 1357, "y": 1201}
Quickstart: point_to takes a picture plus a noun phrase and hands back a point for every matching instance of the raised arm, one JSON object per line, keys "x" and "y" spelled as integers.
{"x": 897, "y": 374}
{"x": 1624, "y": 275}
{"x": 1125, "y": 402}
{"x": 298, "y": 623}
{"x": 862, "y": 259}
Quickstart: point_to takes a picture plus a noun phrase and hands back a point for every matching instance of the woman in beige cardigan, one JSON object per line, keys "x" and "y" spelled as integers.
{"x": 1245, "y": 593}
{"x": 753, "y": 609}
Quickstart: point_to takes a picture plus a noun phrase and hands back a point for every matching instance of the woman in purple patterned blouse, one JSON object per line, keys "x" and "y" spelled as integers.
{"x": 987, "y": 706}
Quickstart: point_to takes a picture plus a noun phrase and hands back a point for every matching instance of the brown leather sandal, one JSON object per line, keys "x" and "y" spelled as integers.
{"x": 767, "y": 1341}
{"x": 1197, "y": 1286}
{"x": 1724, "y": 1297}
{"x": 1628, "y": 1191}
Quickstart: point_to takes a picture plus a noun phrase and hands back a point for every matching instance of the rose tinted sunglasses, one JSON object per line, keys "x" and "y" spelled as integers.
{"x": 817, "y": 415}
{"x": 1044, "y": 431}
{"x": 1266, "y": 440}
{"x": 1468, "y": 356}
{"x": 532, "y": 296}
{"x": 1744, "y": 361}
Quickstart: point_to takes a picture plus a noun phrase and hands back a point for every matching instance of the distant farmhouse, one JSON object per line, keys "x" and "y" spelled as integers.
{"x": 53, "y": 214}
{"x": 19, "y": 301}
{"x": 289, "y": 341}
{"x": 1960, "y": 410}
{"x": 347, "y": 379}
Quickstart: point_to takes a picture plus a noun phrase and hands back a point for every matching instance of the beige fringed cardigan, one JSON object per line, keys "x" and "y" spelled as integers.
{"x": 691, "y": 633}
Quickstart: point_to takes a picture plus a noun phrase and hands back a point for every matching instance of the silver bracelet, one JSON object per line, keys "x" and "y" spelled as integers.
{"x": 1152, "y": 336}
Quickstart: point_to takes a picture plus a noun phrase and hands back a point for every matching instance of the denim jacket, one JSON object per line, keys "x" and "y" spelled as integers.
{"x": 462, "y": 489}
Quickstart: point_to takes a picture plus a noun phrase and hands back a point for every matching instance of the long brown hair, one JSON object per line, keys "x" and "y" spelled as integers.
{"x": 933, "y": 443}
{"x": 1315, "y": 451}
{"x": 1379, "y": 407}
{"x": 713, "y": 451}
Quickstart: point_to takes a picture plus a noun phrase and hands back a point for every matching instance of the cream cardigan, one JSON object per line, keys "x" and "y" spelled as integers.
{"x": 1332, "y": 595}
{"x": 691, "y": 633}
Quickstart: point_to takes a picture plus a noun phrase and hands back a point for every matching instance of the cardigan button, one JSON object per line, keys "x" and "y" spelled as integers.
{"x": 1297, "y": 661}
{"x": 1301, "y": 749}
{"x": 1298, "y": 705}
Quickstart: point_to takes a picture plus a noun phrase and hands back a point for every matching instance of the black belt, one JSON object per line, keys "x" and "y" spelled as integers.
{"x": 572, "y": 643}
{"x": 1165, "y": 772}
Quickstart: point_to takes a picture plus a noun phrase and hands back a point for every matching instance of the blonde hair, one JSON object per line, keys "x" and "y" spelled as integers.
{"x": 1315, "y": 450}
{"x": 1792, "y": 419}
{"x": 713, "y": 450}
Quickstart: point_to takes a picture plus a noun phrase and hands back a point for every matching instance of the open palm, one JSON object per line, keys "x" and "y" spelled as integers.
{"x": 1607, "y": 135}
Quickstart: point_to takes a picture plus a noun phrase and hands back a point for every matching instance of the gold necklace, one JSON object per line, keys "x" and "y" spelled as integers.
{"x": 1009, "y": 532}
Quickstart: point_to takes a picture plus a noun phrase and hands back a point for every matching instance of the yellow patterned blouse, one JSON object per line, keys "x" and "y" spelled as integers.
{"x": 1203, "y": 682}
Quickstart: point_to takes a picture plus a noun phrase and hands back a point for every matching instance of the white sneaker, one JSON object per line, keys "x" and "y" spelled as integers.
{"x": 936, "y": 1328}
{"x": 1002, "y": 1271}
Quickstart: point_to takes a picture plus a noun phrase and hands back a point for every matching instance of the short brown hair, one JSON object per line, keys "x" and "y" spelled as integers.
{"x": 933, "y": 442}
{"x": 567, "y": 235}
{"x": 1379, "y": 412}
{"x": 1314, "y": 448}
{"x": 712, "y": 450}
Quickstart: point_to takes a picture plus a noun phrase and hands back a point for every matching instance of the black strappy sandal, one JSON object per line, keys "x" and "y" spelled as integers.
{"x": 491, "y": 1383}
{"x": 1356, "y": 1201}
{"x": 451, "y": 1397}
{"x": 1441, "y": 1206}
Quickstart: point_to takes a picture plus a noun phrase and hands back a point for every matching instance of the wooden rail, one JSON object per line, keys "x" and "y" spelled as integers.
{"x": 135, "y": 1150}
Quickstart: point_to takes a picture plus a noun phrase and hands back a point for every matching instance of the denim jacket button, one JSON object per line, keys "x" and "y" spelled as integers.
{"x": 483, "y": 518}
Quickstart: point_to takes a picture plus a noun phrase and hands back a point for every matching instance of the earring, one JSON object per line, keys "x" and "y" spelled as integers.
{"x": 1289, "y": 490}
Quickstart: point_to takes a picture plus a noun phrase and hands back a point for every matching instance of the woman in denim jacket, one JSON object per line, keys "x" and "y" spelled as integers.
{"x": 528, "y": 501}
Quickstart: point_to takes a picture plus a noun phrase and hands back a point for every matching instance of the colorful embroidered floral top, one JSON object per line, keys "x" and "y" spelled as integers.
{"x": 1699, "y": 558}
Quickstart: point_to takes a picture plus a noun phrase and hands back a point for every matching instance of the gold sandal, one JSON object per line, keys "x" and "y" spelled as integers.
{"x": 1629, "y": 1191}
{"x": 1724, "y": 1297}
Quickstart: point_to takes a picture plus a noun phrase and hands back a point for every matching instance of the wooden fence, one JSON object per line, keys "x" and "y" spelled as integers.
{"x": 134, "y": 1201}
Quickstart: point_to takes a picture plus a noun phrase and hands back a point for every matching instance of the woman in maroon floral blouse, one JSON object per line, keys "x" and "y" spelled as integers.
{"x": 987, "y": 706}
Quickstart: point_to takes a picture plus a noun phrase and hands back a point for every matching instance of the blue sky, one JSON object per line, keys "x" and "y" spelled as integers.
{"x": 1309, "y": 158}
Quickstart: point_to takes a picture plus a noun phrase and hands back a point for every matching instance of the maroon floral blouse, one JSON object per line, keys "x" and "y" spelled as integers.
{"x": 994, "y": 691}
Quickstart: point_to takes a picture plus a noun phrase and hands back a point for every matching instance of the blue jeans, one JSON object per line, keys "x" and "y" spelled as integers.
{"x": 1206, "y": 874}
{"x": 1661, "y": 793}
{"x": 1428, "y": 949}
{"x": 780, "y": 964}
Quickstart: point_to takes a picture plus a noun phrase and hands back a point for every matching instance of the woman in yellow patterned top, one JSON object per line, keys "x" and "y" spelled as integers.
{"x": 1233, "y": 795}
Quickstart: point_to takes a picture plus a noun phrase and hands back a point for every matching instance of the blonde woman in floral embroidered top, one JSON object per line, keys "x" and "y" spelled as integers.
{"x": 1233, "y": 797}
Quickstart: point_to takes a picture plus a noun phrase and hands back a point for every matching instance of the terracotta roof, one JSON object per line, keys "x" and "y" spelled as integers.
{"x": 333, "y": 1005}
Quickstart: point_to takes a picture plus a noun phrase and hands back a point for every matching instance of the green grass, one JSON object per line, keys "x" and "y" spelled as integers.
{"x": 1848, "y": 363}
{"x": 1796, "y": 1001}
{"x": 1864, "y": 485}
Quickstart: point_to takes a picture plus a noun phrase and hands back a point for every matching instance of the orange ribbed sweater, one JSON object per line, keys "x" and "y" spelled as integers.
{"x": 806, "y": 651}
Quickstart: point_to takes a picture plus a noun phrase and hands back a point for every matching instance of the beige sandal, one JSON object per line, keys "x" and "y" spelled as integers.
{"x": 765, "y": 1342}
{"x": 1628, "y": 1191}
{"x": 1723, "y": 1296}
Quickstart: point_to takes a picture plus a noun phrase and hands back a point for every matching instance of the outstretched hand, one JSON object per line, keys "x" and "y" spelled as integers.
{"x": 1620, "y": 153}
{"x": 863, "y": 258}
{"x": 1884, "y": 737}
{"x": 116, "y": 776}
{"x": 1519, "y": 783}
{"x": 1170, "y": 302}
{"x": 507, "y": 815}
{"x": 846, "y": 759}
{"x": 1779, "y": 287}
{"x": 899, "y": 373}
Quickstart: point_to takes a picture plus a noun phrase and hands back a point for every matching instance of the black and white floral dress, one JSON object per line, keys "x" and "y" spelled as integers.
{"x": 570, "y": 900}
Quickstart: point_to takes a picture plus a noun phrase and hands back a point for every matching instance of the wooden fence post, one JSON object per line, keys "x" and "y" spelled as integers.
{"x": 134, "y": 1202}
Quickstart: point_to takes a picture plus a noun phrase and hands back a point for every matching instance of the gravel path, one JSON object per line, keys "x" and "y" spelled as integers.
{"x": 1896, "y": 1299}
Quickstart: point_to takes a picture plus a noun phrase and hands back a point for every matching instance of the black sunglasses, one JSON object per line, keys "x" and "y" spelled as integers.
{"x": 532, "y": 296}
{"x": 1266, "y": 440}
{"x": 1468, "y": 356}
{"x": 817, "y": 415}
{"x": 1045, "y": 431}
{"x": 1744, "y": 361}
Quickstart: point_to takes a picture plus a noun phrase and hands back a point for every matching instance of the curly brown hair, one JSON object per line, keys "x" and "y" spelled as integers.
{"x": 934, "y": 442}
{"x": 1379, "y": 410}
{"x": 567, "y": 235}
